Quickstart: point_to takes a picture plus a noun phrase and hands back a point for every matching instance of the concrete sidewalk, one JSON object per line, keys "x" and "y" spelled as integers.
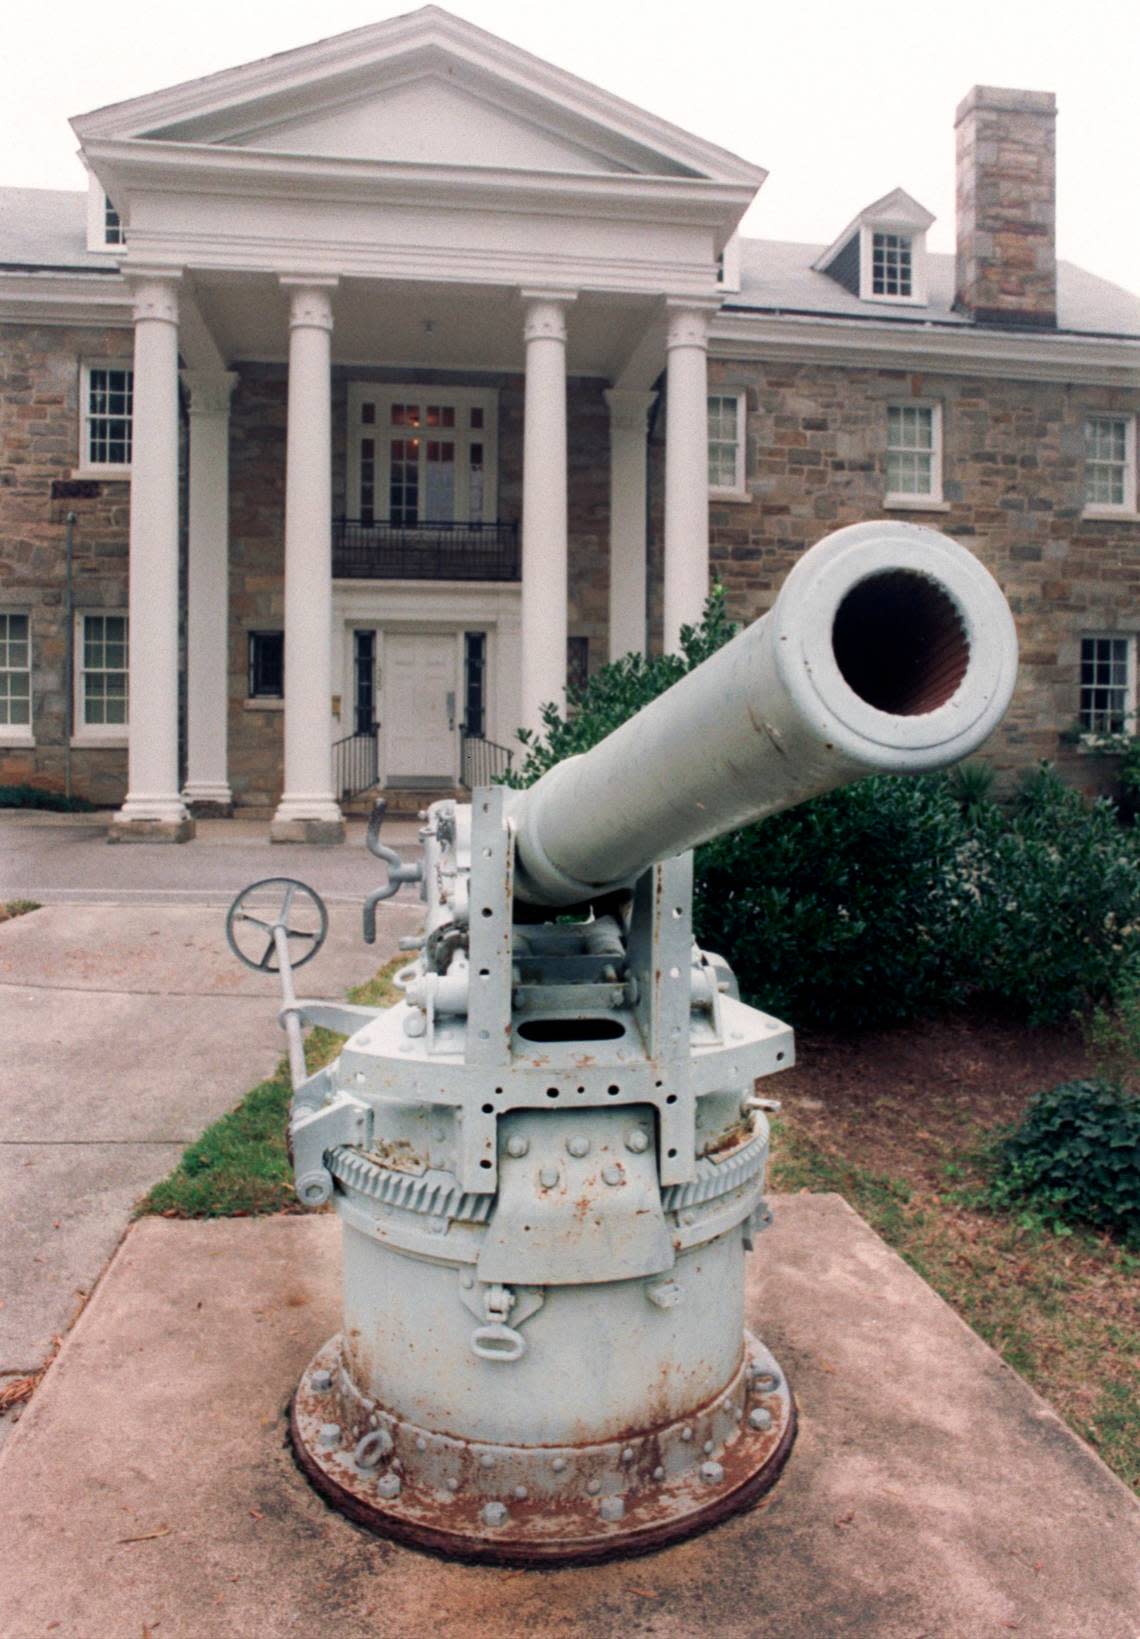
{"x": 150, "y": 1487}
{"x": 128, "y": 1028}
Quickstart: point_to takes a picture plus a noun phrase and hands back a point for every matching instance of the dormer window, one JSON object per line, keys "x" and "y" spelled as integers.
{"x": 112, "y": 228}
{"x": 881, "y": 255}
{"x": 892, "y": 264}
{"x": 105, "y": 229}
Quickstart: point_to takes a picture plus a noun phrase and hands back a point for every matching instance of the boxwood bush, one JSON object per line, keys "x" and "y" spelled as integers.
{"x": 896, "y": 896}
{"x": 1075, "y": 1158}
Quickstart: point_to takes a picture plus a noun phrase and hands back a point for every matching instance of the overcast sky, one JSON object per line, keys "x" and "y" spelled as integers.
{"x": 839, "y": 101}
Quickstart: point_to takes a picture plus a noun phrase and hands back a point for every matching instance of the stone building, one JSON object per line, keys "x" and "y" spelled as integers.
{"x": 325, "y": 451}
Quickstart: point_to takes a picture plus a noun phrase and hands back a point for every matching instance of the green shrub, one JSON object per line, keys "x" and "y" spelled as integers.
{"x": 1057, "y": 926}
{"x": 850, "y": 910}
{"x": 1075, "y": 1158}
{"x": 30, "y": 796}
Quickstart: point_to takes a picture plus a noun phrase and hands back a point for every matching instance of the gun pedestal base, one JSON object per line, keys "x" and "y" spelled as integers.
{"x": 518, "y": 1505}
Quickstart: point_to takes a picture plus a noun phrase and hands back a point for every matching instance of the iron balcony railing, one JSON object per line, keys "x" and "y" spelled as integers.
{"x": 355, "y": 764}
{"x": 480, "y": 760}
{"x": 449, "y": 551}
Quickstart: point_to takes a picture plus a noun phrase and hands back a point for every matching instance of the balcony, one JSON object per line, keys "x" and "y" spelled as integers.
{"x": 450, "y": 551}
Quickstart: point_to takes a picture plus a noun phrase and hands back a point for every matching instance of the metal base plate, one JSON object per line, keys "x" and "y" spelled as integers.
{"x": 512, "y": 1505}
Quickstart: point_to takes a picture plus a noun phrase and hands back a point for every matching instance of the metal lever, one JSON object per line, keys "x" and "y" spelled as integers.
{"x": 398, "y": 872}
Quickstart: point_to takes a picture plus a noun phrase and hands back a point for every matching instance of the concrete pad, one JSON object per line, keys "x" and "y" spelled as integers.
{"x": 930, "y": 1492}
{"x": 127, "y": 1030}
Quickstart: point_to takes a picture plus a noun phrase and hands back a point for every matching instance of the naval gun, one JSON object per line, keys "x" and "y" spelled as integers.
{"x": 548, "y": 1158}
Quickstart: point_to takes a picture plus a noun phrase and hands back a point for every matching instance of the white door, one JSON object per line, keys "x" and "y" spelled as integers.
{"x": 417, "y": 708}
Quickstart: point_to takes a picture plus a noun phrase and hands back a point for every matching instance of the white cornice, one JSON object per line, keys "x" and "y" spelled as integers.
{"x": 65, "y": 298}
{"x": 384, "y": 50}
{"x": 1054, "y": 356}
{"x": 191, "y": 167}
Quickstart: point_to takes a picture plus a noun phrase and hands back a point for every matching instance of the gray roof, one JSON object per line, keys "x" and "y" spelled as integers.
{"x": 41, "y": 228}
{"x": 777, "y": 276}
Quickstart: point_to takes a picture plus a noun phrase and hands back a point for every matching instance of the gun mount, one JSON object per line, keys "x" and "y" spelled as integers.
{"x": 548, "y": 1158}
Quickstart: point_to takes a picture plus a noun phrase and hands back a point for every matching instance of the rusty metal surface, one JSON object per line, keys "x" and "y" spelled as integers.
{"x": 549, "y": 1505}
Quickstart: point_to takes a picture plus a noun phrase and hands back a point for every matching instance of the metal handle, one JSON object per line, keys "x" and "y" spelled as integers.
{"x": 398, "y": 872}
{"x": 497, "y": 1342}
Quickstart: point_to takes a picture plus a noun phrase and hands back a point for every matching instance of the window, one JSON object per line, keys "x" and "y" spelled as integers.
{"x": 422, "y": 456}
{"x": 475, "y": 684}
{"x": 1108, "y": 685}
{"x": 891, "y": 264}
{"x": 15, "y": 676}
{"x": 726, "y": 444}
{"x": 1110, "y": 463}
{"x": 108, "y": 394}
{"x": 914, "y": 454}
{"x": 112, "y": 227}
{"x": 266, "y": 665}
{"x": 101, "y": 675}
{"x": 577, "y": 663}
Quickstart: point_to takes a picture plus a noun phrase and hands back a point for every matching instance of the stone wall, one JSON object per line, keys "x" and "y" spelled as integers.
{"x": 39, "y": 451}
{"x": 1006, "y": 180}
{"x": 1013, "y": 480}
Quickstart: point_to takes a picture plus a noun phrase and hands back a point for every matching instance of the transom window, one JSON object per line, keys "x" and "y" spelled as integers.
{"x": 726, "y": 443}
{"x": 914, "y": 452}
{"x": 103, "y": 672}
{"x": 422, "y": 456}
{"x": 108, "y": 405}
{"x": 15, "y": 672}
{"x": 1110, "y": 462}
{"x": 891, "y": 264}
{"x": 1108, "y": 687}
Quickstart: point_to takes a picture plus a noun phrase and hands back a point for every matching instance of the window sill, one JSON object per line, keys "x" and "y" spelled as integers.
{"x": 914, "y": 503}
{"x": 266, "y": 702}
{"x": 114, "y": 475}
{"x": 99, "y": 742}
{"x": 734, "y": 495}
{"x": 1111, "y": 514}
{"x": 11, "y": 739}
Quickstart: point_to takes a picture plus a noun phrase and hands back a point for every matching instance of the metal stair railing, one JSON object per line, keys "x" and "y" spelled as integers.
{"x": 356, "y": 765}
{"x": 481, "y": 761}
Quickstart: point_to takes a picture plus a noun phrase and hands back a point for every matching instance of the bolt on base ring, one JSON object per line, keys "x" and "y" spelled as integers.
{"x": 545, "y": 1505}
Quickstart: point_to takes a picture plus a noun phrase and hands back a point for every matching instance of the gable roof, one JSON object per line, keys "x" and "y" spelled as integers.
{"x": 242, "y": 107}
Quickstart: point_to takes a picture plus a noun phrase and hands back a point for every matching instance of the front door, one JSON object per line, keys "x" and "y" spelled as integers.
{"x": 418, "y": 708}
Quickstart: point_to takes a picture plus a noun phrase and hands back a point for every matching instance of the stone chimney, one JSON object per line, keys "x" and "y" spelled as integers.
{"x": 1007, "y": 205}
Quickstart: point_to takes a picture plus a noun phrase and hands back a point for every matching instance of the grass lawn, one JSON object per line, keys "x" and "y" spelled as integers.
{"x": 898, "y": 1124}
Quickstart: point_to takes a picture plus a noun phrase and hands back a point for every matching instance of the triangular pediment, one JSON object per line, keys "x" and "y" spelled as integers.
{"x": 425, "y": 88}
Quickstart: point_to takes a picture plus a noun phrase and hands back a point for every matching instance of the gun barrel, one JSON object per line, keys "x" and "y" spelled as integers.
{"x": 889, "y": 649}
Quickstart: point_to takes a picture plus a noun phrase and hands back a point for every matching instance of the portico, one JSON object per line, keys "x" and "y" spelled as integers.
{"x": 316, "y": 223}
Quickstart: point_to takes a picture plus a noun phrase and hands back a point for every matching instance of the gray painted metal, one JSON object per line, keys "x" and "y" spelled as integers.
{"x": 548, "y": 1158}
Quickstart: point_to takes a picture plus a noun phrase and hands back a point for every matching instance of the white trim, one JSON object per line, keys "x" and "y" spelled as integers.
{"x": 951, "y": 349}
{"x": 920, "y": 500}
{"x": 85, "y": 733}
{"x": 738, "y": 489}
{"x": 1126, "y": 509}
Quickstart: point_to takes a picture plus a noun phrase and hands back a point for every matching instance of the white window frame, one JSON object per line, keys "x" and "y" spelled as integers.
{"x": 1091, "y": 736}
{"x": 738, "y": 489}
{"x": 462, "y": 399}
{"x": 16, "y": 734}
{"x": 101, "y": 469}
{"x": 1113, "y": 509}
{"x": 905, "y": 230}
{"x": 98, "y": 202}
{"x": 85, "y": 733}
{"x": 728, "y": 266}
{"x": 915, "y": 501}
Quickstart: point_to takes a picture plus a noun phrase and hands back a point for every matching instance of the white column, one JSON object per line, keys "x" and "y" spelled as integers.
{"x": 686, "y": 471}
{"x": 154, "y": 810}
{"x": 308, "y": 811}
{"x": 629, "y": 420}
{"x": 544, "y": 507}
{"x": 207, "y": 637}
